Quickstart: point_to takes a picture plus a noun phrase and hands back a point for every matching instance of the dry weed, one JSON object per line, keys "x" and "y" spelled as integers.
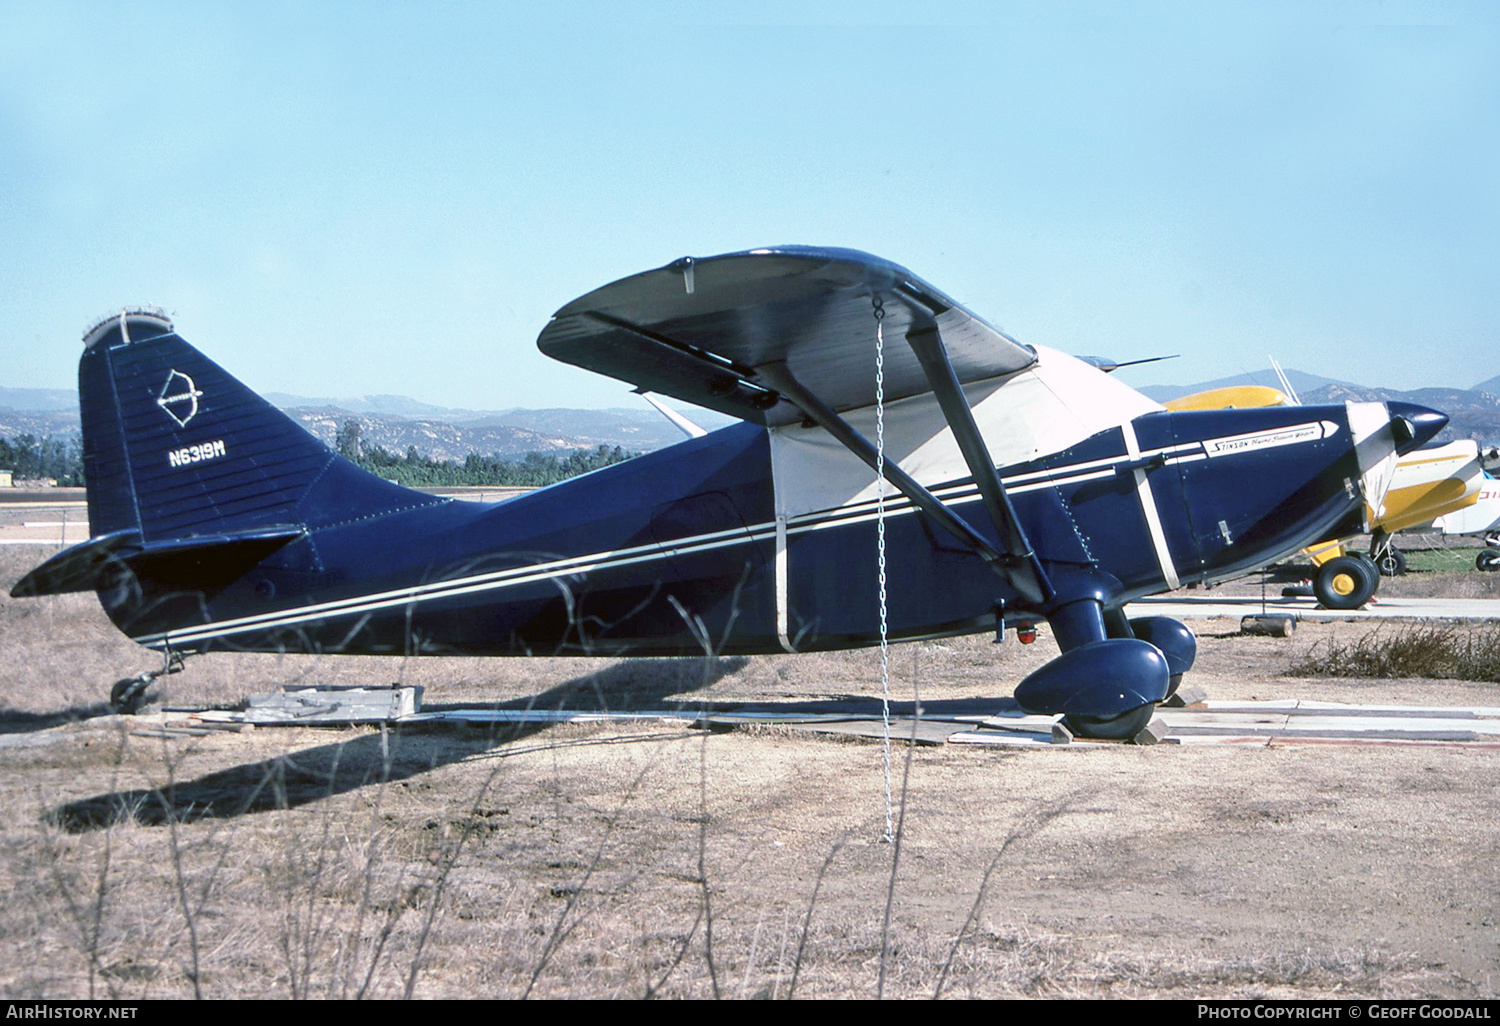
{"x": 1442, "y": 652}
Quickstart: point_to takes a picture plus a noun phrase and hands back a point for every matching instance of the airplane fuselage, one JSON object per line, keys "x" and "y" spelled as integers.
{"x": 680, "y": 551}
{"x": 1004, "y": 482}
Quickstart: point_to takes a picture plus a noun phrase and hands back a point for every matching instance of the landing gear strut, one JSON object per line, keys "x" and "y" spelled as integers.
{"x": 129, "y": 693}
{"x": 1112, "y": 672}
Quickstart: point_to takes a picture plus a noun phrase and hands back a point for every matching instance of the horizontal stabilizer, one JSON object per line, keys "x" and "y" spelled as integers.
{"x": 75, "y": 568}
{"x": 203, "y": 561}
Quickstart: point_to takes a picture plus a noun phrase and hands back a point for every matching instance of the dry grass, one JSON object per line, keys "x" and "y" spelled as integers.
{"x": 1439, "y": 652}
{"x": 612, "y": 861}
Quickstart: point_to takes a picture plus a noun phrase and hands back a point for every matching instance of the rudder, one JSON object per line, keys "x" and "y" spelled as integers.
{"x": 176, "y": 447}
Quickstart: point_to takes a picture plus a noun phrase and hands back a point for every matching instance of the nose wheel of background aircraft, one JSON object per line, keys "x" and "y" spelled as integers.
{"x": 1392, "y": 562}
{"x": 1489, "y": 559}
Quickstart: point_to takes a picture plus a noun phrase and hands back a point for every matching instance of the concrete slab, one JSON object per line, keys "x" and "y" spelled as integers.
{"x": 997, "y": 722}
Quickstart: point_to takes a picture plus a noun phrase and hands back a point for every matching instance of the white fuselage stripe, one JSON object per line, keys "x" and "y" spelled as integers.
{"x": 783, "y": 603}
{"x": 1148, "y": 507}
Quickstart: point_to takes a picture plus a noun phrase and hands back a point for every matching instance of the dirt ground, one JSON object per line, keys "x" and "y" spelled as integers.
{"x": 650, "y": 859}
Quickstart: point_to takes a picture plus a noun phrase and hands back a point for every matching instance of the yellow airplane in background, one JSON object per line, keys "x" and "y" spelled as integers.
{"x": 1235, "y": 397}
{"x": 1431, "y": 482}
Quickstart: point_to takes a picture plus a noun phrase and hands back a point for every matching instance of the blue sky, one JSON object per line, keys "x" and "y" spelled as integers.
{"x": 343, "y": 199}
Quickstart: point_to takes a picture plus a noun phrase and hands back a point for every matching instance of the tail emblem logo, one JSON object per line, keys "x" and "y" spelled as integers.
{"x": 179, "y": 397}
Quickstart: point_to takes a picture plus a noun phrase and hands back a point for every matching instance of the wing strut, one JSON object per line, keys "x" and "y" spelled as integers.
{"x": 1025, "y": 571}
{"x": 780, "y": 378}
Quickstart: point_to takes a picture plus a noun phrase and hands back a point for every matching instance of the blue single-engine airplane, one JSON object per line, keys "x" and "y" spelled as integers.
{"x": 1025, "y": 485}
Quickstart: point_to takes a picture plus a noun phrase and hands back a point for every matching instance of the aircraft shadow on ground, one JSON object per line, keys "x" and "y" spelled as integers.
{"x": 288, "y": 781}
{"x": 14, "y": 721}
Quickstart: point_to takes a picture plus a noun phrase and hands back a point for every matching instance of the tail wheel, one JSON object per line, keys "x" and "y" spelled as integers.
{"x": 129, "y": 694}
{"x": 1115, "y": 728}
{"x": 1489, "y": 559}
{"x": 1346, "y": 582}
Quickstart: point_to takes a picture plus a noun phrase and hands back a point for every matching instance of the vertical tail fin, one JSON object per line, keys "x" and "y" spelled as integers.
{"x": 175, "y": 447}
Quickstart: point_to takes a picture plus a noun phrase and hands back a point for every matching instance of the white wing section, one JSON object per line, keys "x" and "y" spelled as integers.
{"x": 1057, "y": 402}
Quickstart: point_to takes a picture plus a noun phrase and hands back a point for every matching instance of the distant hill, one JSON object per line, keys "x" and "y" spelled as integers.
{"x": 433, "y": 438}
{"x": 41, "y": 423}
{"x": 381, "y": 405}
{"x": 1471, "y": 414}
{"x": 453, "y": 434}
{"x": 1301, "y": 381}
{"x": 398, "y": 422}
{"x": 39, "y": 399}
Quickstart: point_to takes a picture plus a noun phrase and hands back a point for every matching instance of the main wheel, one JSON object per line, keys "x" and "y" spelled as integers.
{"x": 1370, "y": 567}
{"x": 1345, "y": 582}
{"x": 1392, "y": 562}
{"x": 1114, "y": 728}
{"x": 1489, "y": 559}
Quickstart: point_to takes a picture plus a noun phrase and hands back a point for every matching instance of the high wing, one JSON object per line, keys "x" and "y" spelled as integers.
{"x": 776, "y": 336}
{"x": 702, "y": 329}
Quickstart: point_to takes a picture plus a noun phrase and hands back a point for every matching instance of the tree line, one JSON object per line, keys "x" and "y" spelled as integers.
{"x": 62, "y": 459}
{"x": 534, "y": 470}
{"x": 414, "y": 470}
{"x": 33, "y": 458}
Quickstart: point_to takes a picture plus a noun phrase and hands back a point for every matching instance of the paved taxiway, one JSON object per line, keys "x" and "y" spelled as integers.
{"x": 1204, "y": 608}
